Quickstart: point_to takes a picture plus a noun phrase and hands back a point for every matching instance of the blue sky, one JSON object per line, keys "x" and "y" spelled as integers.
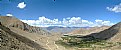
{"x": 78, "y": 10}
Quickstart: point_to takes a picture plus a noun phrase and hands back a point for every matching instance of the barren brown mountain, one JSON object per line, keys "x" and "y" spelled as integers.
{"x": 16, "y": 23}
{"x": 87, "y": 31}
{"x": 33, "y": 37}
{"x": 113, "y": 34}
{"x": 12, "y": 41}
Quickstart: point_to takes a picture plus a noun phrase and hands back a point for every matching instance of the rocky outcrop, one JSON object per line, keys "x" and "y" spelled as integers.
{"x": 14, "y": 22}
{"x": 12, "y": 41}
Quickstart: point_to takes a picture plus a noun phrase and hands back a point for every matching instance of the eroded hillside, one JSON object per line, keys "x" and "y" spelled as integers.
{"x": 87, "y": 31}
{"x": 9, "y": 21}
{"x": 13, "y": 41}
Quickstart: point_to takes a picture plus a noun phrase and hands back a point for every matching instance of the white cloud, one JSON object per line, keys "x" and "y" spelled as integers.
{"x": 87, "y": 23}
{"x": 9, "y": 15}
{"x": 66, "y": 22}
{"x": 75, "y": 20}
{"x": 21, "y": 5}
{"x": 102, "y": 22}
{"x": 30, "y": 22}
{"x": 98, "y": 21}
{"x": 116, "y": 8}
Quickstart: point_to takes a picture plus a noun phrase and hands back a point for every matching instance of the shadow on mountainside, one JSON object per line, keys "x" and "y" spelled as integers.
{"x": 106, "y": 34}
{"x": 21, "y": 38}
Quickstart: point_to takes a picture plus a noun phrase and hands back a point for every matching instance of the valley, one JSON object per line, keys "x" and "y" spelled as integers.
{"x": 78, "y": 39}
{"x": 60, "y": 24}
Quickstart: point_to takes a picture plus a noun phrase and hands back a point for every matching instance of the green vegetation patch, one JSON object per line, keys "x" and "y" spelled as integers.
{"x": 88, "y": 42}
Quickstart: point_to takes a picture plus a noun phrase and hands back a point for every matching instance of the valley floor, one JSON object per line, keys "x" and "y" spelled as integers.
{"x": 47, "y": 41}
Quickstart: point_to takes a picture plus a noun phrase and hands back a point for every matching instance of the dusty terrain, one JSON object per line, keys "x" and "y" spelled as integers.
{"x": 12, "y": 41}
{"x": 46, "y": 41}
{"x": 35, "y": 34}
{"x": 35, "y": 38}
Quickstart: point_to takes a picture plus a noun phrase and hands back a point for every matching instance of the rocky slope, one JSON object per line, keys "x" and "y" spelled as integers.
{"x": 87, "y": 31}
{"x": 113, "y": 34}
{"x": 12, "y": 41}
{"x": 42, "y": 38}
{"x": 14, "y": 22}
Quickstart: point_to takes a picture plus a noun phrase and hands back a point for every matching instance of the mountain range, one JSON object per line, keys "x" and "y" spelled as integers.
{"x": 17, "y": 35}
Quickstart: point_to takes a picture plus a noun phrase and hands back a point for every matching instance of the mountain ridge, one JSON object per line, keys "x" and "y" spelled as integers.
{"x": 86, "y": 31}
{"x": 9, "y": 21}
{"x": 11, "y": 40}
{"x": 112, "y": 34}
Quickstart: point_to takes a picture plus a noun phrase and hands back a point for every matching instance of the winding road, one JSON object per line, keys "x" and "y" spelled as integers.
{"x": 57, "y": 47}
{"x": 48, "y": 45}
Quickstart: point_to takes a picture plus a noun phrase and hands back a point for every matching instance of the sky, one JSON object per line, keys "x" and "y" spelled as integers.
{"x": 65, "y": 13}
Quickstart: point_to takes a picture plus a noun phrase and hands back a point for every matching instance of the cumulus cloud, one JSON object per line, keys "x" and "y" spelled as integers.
{"x": 102, "y": 22}
{"x": 75, "y": 20}
{"x": 21, "y": 5}
{"x": 66, "y": 22}
{"x": 9, "y": 15}
{"x": 116, "y": 8}
{"x": 86, "y": 23}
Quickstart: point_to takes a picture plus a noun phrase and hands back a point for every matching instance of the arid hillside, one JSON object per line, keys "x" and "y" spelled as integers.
{"x": 113, "y": 34}
{"x": 16, "y": 23}
{"x": 35, "y": 37}
{"x": 87, "y": 31}
{"x": 12, "y": 41}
